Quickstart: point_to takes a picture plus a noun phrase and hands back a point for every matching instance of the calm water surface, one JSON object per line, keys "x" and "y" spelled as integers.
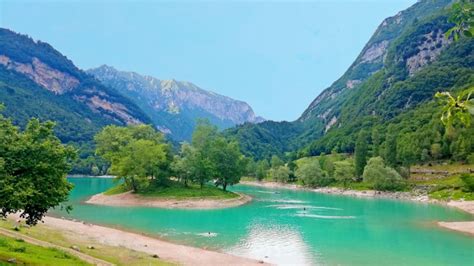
{"x": 297, "y": 227}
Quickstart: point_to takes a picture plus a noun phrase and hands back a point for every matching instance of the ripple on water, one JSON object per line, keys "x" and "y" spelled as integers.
{"x": 317, "y": 216}
{"x": 297, "y": 206}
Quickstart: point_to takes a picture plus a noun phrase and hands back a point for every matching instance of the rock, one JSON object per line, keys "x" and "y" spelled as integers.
{"x": 261, "y": 262}
{"x": 76, "y": 248}
{"x": 155, "y": 256}
{"x": 11, "y": 260}
{"x": 90, "y": 247}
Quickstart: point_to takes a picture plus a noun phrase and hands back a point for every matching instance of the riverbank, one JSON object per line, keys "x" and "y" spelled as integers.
{"x": 130, "y": 199}
{"x": 466, "y": 206}
{"x": 153, "y": 247}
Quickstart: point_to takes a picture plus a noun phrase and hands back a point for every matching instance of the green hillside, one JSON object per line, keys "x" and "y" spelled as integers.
{"x": 391, "y": 85}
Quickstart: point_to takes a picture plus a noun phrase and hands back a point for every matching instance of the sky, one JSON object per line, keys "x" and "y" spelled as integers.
{"x": 275, "y": 55}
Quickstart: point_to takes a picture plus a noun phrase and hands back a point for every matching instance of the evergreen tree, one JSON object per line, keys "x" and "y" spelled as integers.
{"x": 361, "y": 152}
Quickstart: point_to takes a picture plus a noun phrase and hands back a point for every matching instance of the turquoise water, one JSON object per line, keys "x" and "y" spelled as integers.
{"x": 297, "y": 227}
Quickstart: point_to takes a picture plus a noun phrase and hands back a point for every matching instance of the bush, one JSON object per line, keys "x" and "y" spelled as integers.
{"x": 382, "y": 177}
{"x": 279, "y": 174}
{"x": 468, "y": 182}
{"x": 311, "y": 174}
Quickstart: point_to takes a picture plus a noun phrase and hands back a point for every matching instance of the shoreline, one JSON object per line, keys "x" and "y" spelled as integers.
{"x": 128, "y": 199}
{"x": 168, "y": 251}
{"x": 466, "y": 227}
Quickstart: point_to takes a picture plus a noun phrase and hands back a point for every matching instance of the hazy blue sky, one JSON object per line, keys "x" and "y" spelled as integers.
{"x": 275, "y": 55}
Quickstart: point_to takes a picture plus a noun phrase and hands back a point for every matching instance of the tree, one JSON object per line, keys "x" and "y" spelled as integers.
{"x": 375, "y": 142}
{"x": 436, "y": 151}
{"x": 311, "y": 174}
{"x": 462, "y": 15}
{"x": 391, "y": 146}
{"x": 361, "y": 152}
{"x": 182, "y": 164}
{"x": 262, "y": 168}
{"x": 344, "y": 171}
{"x": 202, "y": 164}
{"x": 276, "y": 161}
{"x": 229, "y": 162}
{"x": 280, "y": 174}
{"x": 382, "y": 177}
{"x": 33, "y": 168}
{"x": 137, "y": 154}
{"x": 408, "y": 150}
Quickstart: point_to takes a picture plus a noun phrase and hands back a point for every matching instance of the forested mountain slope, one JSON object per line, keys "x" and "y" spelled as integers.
{"x": 393, "y": 81}
{"x": 38, "y": 81}
{"x": 175, "y": 106}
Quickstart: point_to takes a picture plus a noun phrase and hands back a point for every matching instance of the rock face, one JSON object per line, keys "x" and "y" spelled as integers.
{"x": 38, "y": 81}
{"x": 175, "y": 105}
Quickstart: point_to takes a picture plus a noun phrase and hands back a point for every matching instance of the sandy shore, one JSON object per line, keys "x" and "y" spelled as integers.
{"x": 175, "y": 253}
{"x": 130, "y": 199}
{"x": 467, "y": 206}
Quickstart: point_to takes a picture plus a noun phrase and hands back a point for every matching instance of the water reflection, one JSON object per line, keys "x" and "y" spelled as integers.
{"x": 277, "y": 244}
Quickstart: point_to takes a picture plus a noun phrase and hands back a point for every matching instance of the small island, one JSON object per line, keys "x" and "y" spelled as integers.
{"x": 173, "y": 196}
{"x": 149, "y": 175}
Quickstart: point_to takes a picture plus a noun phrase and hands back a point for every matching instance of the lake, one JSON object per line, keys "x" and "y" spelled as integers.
{"x": 296, "y": 227}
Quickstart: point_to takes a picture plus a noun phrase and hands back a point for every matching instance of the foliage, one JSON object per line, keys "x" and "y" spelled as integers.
{"x": 462, "y": 15}
{"x": 137, "y": 154}
{"x": 177, "y": 190}
{"x": 456, "y": 109}
{"x": 33, "y": 168}
{"x": 382, "y": 177}
{"x": 468, "y": 181}
{"x": 310, "y": 174}
{"x": 361, "y": 152}
{"x": 344, "y": 172}
{"x": 279, "y": 174}
{"x": 262, "y": 168}
{"x": 276, "y": 161}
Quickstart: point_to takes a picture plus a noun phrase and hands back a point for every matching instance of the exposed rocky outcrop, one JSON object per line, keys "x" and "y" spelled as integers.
{"x": 182, "y": 101}
{"x": 428, "y": 50}
{"x": 374, "y": 52}
{"x": 53, "y": 80}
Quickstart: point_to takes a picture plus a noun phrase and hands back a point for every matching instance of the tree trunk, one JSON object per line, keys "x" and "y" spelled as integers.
{"x": 224, "y": 186}
{"x": 201, "y": 184}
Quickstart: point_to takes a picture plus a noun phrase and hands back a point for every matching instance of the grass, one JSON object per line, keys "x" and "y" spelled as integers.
{"x": 177, "y": 190}
{"x": 29, "y": 254}
{"x": 116, "y": 255}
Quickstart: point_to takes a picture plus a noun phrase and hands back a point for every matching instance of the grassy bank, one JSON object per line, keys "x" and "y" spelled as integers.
{"x": 177, "y": 190}
{"x": 115, "y": 255}
{"x": 17, "y": 251}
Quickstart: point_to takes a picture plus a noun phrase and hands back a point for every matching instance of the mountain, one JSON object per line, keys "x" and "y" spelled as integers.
{"x": 174, "y": 106}
{"x": 38, "y": 81}
{"x": 389, "y": 88}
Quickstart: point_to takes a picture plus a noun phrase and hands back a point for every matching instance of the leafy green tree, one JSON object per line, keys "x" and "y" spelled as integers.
{"x": 33, "y": 168}
{"x": 276, "y": 161}
{"x": 280, "y": 174}
{"x": 391, "y": 146}
{"x": 382, "y": 177}
{"x": 182, "y": 164}
{"x": 436, "y": 151}
{"x": 376, "y": 141}
{"x": 462, "y": 15}
{"x": 262, "y": 168}
{"x": 251, "y": 168}
{"x": 292, "y": 167}
{"x": 344, "y": 171}
{"x": 309, "y": 172}
{"x": 137, "y": 154}
{"x": 229, "y": 162}
{"x": 408, "y": 151}
{"x": 468, "y": 181}
{"x": 361, "y": 152}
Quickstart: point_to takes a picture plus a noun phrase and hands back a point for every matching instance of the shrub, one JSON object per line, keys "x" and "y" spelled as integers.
{"x": 311, "y": 174}
{"x": 468, "y": 182}
{"x": 382, "y": 177}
